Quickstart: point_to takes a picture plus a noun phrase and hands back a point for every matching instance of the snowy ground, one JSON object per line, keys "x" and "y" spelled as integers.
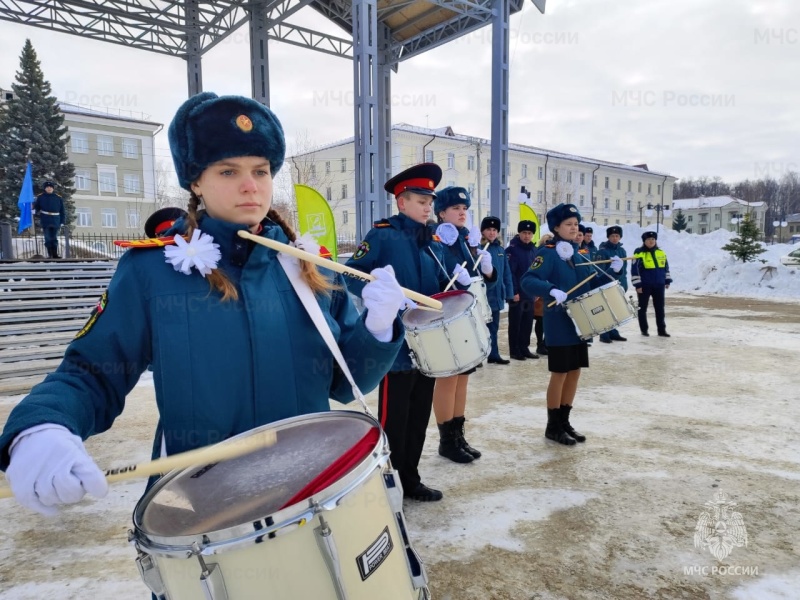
{"x": 670, "y": 422}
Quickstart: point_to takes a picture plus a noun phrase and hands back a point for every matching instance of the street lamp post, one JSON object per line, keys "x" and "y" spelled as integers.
{"x": 662, "y": 210}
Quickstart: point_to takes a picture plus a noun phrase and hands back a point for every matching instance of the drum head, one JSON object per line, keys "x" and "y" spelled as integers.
{"x": 454, "y": 303}
{"x": 245, "y": 489}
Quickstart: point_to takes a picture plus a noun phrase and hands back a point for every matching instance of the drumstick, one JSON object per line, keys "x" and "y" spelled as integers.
{"x": 184, "y": 460}
{"x": 574, "y": 288}
{"x": 599, "y": 262}
{"x": 334, "y": 266}
{"x": 453, "y": 280}
{"x": 477, "y": 260}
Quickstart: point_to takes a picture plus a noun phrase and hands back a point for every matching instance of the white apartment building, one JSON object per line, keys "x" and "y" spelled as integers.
{"x": 707, "y": 214}
{"x": 606, "y": 193}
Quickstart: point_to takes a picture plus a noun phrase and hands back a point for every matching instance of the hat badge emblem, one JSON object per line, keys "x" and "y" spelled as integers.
{"x": 430, "y": 184}
{"x": 244, "y": 123}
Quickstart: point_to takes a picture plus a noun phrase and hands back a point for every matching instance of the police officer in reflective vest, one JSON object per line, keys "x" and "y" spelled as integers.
{"x": 650, "y": 277}
{"x": 50, "y": 208}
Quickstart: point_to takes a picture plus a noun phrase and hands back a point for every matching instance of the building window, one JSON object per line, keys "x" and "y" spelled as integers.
{"x": 594, "y": 180}
{"x": 328, "y": 195}
{"x": 105, "y": 145}
{"x": 569, "y": 176}
{"x": 83, "y": 217}
{"x": 345, "y": 217}
{"x": 132, "y": 218}
{"x": 583, "y": 178}
{"x": 555, "y": 174}
{"x": 508, "y": 168}
{"x": 471, "y": 189}
{"x": 451, "y": 160}
{"x": 582, "y": 200}
{"x": 605, "y": 203}
{"x": 716, "y": 217}
{"x": 524, "y": 171}
{"x": 555, "y": 197}
{"x": 488, "y": 166}
{"x": 83, "y": 180}
{"x": 649, "y": 188}
{"x": 658, "y": 189}
{"x": 569, "y": 198}
{"x": 606, "y": 183}
{"x": 80, "y": 144}
{"x": 630, "y": 184}
{"x": 130, "y": 148}
{"x": 616, "y": 221}
{"x": 628, "y": 205}
{"x": 690, "y": 218}
{"x": 428, "y": 155}
{"x": 108, "y": 217}
{"x": 617, "y": 204}
{"x": 539, "y": 172}
{"x": 327, "y": 167}
{"x": 470, "y": 163}
{"x": 313, "y": 169}
{"x": 130, "y": 183}
{"x": 451, "y": 183}
{"x": 489, "y": 193}
{"x": 107, "y": 181}
{"x": 619, "y": 183}
{"x": 540, "y": 196}
{"x": 605, "y": 221}
{"x": 344, "y": 191}
{"x": 344, "y": 165}
{"x": 640, "y": 187}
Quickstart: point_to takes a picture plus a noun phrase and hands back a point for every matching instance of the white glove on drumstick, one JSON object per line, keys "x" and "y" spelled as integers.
{"x": 616, "y": 264}
{"x": 485, "y": 261}
{"x": 383, "y": 298}
{"x": 49, "y": 466}
{"x": 558, "y": 295}
{"x": 462, "y": 275}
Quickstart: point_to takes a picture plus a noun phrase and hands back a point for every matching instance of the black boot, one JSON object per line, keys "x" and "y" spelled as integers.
{"x": 448, "y": 443}
{"x": 422, "y": 493}
{"x": 542, "y": 350}
{"x": 459, "y": 427}
{"x": 555, "y": 429}
{"x": 567, "y": 427}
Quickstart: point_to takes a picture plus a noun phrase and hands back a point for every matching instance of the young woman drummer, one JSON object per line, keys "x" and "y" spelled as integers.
{"x": 554, "y": 277}
{"x": 450, "y": 393}
{"x": 230, "y": 343}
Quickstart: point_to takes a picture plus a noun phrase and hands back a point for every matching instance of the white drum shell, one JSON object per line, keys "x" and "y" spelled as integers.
{"x": 600, "y": 310}
{"x": 478, "y": 289}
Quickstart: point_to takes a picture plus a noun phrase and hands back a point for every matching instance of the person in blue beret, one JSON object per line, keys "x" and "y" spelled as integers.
{"x": 450, "y": 394}
{"x": 49, "y": 207}
{"x": 231, "y": 345}
{"x": 609, "y": 249}
{"x": 503, "y": 291}
{"x": 556, "y": 276}
{"x": 407, "y": 243}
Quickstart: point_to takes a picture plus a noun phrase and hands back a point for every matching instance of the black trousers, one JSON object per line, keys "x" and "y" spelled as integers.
{"x": 405, "y": 399}
{"x": 520, "y": 325}
{"x": 538, "y": 329}
{"x": 51, "y": 240}
{"x": 656, "y": 292}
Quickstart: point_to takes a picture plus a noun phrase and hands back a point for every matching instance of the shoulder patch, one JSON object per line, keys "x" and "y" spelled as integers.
{"x": 583, "y": 251}
{"x": 148, "y": 243}
{"x": 537, "y": 262}
{"x": 361, "y": 251}
{"x": 382, "y": 223}
{"x": 549, "y": 245}
{"x": 436, "y": 238}
{"x": 96, "y": 312}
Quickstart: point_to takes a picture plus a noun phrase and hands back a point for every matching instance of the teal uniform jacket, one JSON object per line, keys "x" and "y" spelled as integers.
{"x": 549, "y": 271}
{"x": 53, "y": 204}
{"x": 503, "y": 290}
{"x": 414, "y": 254}
{"x": 607, "y": 250}
{"x": 219, "y": 368}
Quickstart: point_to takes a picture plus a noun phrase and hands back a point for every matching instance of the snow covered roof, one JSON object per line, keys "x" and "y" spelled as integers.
{"x": 711, "y": 202}
{"x": 108, "y": 113}
{"x": 447, "y": 132}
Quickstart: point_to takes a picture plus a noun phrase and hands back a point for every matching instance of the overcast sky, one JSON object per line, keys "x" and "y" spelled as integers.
{"x": 690, "y": 87}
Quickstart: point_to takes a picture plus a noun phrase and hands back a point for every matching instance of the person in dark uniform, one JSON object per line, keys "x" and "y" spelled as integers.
{"x": 407, "y": 243}
{"x": 177, "y": 304}
{"x": 162, "y": 220}
{"x": 650, "y": 276}
{"x": 610, "y": 248}
{"x": 588, "y": 234}
{"x": 49, "y": 206}
{"x": 503, "y": 290}
{"x": 552, "y": 276}
{"x": 521, "y": 251}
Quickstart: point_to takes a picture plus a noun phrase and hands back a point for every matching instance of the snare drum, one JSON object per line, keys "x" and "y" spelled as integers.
{"x": 451, "y": 341}
{"x": 317, "y": 515}
{"x": 478, "y": 289}
{"x": 603, "y": 309}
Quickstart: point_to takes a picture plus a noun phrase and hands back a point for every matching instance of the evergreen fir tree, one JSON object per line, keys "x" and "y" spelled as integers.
{"x": 746, "y": 246}
{"x": 679, "y": 222}
{"x": 32, "y": 122}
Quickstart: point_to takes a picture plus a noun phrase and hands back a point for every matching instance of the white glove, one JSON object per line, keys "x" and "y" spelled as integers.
{"x": 383, "y": 298}
{"x": 485, "y": 262}
{"x": 558, "y": 295}
{"x": 616, "y": 264}
{"x": 564, "y": 250}
{"x": 49, "y": 466}
{"x": 462, "y": 275}
{"x": 448, "y": 233}
{"x": 307, "y": 243}
{"x": 474, "y": 236}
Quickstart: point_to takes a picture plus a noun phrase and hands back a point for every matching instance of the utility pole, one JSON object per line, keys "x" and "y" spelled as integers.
{"x": 478, "y": 177}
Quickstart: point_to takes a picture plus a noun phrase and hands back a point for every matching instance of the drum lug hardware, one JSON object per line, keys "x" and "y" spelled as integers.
{"x": 210, "y": 577}
{"x": 148, "y": 570}
{"x": 327, "y": 546}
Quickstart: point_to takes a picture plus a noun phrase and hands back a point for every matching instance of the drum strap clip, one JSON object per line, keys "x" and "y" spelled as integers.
{"x": 148, "y": 571}
{"x": 210, "y": 577}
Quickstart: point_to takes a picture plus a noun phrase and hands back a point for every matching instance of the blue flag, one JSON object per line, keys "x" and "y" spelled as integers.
{"x": 26, "y": 201}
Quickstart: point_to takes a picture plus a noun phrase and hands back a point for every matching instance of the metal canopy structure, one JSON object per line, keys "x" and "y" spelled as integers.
{"x": 381, "y": 34}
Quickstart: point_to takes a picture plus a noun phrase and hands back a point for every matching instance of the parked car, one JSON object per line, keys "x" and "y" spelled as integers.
{"x": 791, "y": 259}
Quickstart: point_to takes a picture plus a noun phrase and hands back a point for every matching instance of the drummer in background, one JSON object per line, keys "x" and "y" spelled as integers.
{"x": 503, "y": 290}
{"x": 406, "y": 242}
{"x": 162, "y": 221}
{"x": 178, "y": 307}
{"x": 450, "y": 393}
{"x": 610, "y": 248}
{"x": 538, "y": 309}
{"x": 552, "y": 274}
{"x": 521, "y": 251}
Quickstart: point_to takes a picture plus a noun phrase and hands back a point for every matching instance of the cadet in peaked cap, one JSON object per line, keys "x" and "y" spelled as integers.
{"x": 407, "y": 243}
{"x": 161, "y": 220}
